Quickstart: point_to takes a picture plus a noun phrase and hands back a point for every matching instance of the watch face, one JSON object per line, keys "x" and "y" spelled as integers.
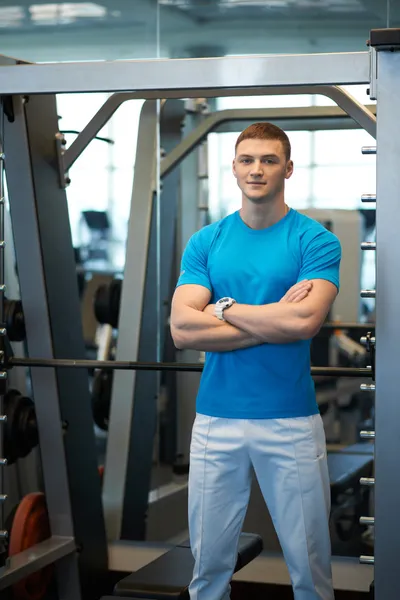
{"x": 223, "y": 300}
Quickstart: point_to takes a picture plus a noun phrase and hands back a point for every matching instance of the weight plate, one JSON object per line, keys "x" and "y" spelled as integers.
{"x": 31, "y": 526}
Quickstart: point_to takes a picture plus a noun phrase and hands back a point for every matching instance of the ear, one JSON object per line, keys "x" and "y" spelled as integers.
{"x": 289, "y": 169}
{"x": 234, "y": 168}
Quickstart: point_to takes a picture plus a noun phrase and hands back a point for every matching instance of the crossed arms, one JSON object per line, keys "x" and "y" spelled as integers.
{"x": 297, "y": 316}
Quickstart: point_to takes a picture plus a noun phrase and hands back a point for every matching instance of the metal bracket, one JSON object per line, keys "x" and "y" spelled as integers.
{"x": 61, "y": 142}
{"x": 373, "y": 73}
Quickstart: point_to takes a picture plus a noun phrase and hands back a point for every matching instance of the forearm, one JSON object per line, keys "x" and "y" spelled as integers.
{"x": 197, "y": 330}
{"x": 278, "y": 323}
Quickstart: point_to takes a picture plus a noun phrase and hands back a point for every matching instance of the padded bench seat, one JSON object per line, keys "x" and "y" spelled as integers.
{"x": 169, "y": 575}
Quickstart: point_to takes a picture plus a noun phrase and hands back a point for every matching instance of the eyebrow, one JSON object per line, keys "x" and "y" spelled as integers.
{"x": 264, "y": 156}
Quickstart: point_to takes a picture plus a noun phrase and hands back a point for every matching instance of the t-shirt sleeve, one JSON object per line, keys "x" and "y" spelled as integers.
{"x": 321, "y": 256}
{"x": 194, "y": 263}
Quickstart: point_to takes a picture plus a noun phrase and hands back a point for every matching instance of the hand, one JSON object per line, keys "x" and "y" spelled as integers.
{"x": 298, "y": 292}
{"x": 209, "y": 309}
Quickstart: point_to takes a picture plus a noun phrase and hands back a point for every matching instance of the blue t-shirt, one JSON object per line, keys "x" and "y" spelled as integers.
{"x": 258, "y": 267}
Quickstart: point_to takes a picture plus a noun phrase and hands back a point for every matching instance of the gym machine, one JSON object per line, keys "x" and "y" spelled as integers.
{"x": 77, "y": 545}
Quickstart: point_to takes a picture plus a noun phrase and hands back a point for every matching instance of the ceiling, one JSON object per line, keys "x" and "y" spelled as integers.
{"x": 123, "y": 29}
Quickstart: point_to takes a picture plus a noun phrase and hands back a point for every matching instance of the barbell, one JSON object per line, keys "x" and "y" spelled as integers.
{"x": 66, "y": 363}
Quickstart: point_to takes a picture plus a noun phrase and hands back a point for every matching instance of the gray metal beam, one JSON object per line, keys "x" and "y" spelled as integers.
{"x": 37, "y": 557}
{"x": 123, "y": 409}
{"x": 94, "y": 126}
{"x": 189, "y": 77}
{"x": 38, "y": 327}
{"x": 49, "y": 293}
{"x": 387, "y": 406}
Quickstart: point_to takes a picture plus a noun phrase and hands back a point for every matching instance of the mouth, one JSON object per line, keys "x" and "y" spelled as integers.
{"x": 256, "y": 183}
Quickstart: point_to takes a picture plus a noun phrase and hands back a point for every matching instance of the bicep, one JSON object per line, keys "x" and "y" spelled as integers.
{"x": 188, "y": 296}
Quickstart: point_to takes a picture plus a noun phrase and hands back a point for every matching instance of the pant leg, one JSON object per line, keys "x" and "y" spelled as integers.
{"x": 219, "y": 490}
{"x": 289, "y": 459}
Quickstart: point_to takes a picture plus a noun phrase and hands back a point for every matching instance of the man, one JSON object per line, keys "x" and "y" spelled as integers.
{"x": 256, "y": 403}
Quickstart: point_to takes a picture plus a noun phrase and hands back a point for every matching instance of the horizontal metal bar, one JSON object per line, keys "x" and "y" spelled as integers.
{"x": 367, "y": 521}
{"x": 366, "y": 387}
{"x": 368, "y": 150}
{"x": 367, "y": 560}
{"x": 368, "y": 293}
{"x": 368, "y": 245}
{"x": 367, "y": 435}
{"x": 35, "y": 558}
{"x": 368, "y": 198}
{"x": 156, "y": 366}
{"x": 190, "y": 77}
{"x": 369, "y": 481}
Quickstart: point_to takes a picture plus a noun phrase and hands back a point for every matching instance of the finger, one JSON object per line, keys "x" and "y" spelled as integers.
{"x": 300, "y": 297}
{"x": 299, "y": 294}
{"x": 292, "y": 295}
{"x": 298, "y": 287}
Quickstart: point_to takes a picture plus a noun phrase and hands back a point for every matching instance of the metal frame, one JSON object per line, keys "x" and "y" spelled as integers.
{"x": 227, "y": 76}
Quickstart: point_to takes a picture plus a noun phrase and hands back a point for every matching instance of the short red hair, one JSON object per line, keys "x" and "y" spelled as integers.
{"x": 265, "y": 131}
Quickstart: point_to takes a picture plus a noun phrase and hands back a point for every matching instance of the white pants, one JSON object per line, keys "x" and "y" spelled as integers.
{"x": 289, "y": 460}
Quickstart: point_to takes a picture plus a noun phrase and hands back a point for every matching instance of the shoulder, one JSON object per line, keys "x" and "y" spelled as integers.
{"x": 204, "y": 237}
{"x": 314, "y": 232}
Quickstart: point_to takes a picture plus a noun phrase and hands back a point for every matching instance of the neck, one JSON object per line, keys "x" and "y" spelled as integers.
{"x": 261, "y": 216}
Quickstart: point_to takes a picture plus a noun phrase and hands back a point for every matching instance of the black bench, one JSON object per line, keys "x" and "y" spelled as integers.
{"x": 348, "y": 498}
{"x": 169, "y": 575}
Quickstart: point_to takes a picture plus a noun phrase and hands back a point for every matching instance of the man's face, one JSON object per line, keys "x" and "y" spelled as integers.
{"x": 260, "y": 168}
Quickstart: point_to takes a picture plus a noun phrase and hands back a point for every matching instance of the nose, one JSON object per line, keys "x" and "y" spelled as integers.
{"x": 256, "y": 170}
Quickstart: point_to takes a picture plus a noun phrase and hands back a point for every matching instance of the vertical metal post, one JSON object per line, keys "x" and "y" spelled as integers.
{"x": 3, "y": 497}
{"x": 125, "y": 412}
{"x": 49, "y": 294}
{"x": 171, "y": 123}
{"x": 387, "y": 441}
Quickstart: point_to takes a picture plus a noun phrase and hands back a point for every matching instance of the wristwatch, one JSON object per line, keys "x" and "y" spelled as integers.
{"x": 221, "y": 305}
